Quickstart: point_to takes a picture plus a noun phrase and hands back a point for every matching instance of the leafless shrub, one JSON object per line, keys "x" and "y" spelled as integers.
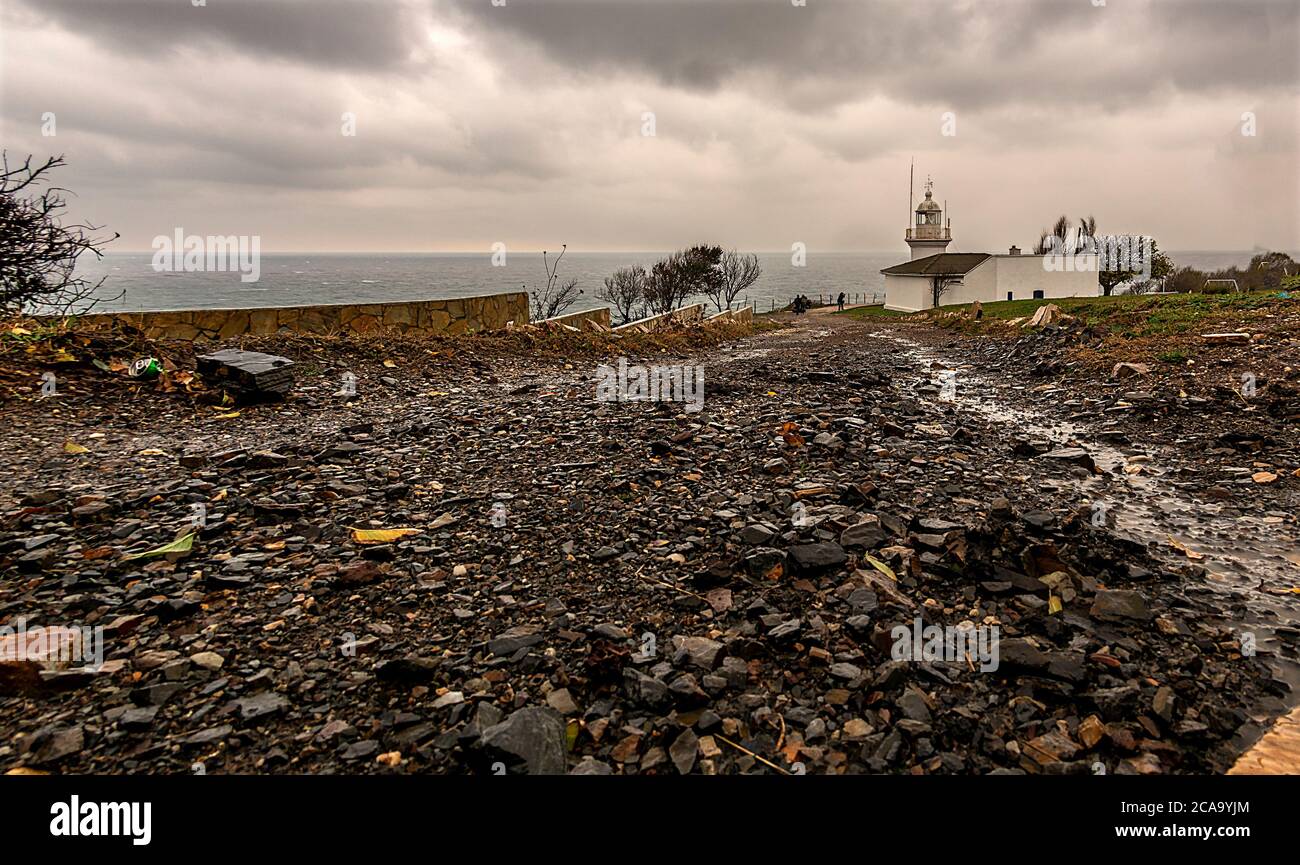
{"x": 555, "y": 297}
{"x": 38, "y": 252}
{"x": 738, "y": 273}
{"x": 625, "y": 291}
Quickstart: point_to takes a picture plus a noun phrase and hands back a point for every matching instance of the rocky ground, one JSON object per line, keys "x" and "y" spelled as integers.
{"x": 629, "y": 588}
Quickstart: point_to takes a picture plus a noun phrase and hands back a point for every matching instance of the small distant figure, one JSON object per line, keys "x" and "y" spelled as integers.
{"x": 839, "y": 305}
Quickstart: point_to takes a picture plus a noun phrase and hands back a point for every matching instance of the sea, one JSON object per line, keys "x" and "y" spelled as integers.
{"x": 296, "y": 279}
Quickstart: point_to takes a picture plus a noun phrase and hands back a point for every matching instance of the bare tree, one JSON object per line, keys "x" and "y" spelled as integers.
{"x": 38, "y": 253}
{"x": 626, "y": 291}
{"x": 939, "y": 285}
{"x": 738, "y": 273}
{"x": 555, "y": 297}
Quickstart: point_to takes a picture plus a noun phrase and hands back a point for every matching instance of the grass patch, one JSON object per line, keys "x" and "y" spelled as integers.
{"x": 1132, "y": 316}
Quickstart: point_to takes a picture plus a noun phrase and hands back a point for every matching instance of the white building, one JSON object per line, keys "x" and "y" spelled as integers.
{"x": 937, "y": 278}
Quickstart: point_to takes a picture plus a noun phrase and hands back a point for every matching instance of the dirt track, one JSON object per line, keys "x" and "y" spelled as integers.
{"x": 627, "y": 587}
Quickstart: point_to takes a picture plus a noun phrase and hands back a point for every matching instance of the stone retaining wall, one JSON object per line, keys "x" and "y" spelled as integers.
{"x": 451, "y": 317}
{"x": 740, "y": 314}
{"x": 578, "y": 319}
{"x": 687, "y": 315}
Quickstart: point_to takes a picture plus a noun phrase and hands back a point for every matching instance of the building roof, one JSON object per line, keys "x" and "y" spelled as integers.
{"x": 942, "y": 264}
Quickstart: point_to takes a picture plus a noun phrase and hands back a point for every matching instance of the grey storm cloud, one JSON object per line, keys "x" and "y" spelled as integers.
{"x": 969, "y": 54}
{"x": 965, "y": 54}
{"x": 352, "y": 34}
{"x": 774, "y": 120}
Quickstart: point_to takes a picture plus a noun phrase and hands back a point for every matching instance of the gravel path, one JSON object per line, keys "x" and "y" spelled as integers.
{"x": 608, "y": 587}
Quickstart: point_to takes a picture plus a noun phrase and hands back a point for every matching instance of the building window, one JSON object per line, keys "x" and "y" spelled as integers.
{"x": 1038, "y": 294}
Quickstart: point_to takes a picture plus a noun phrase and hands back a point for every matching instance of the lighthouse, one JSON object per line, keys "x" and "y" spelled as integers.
{"x": 936, "y": 277}
{"x": 928, "y": 235}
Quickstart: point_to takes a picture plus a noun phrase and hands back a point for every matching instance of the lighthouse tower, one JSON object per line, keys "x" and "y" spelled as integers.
{"x": 928, "y": 235}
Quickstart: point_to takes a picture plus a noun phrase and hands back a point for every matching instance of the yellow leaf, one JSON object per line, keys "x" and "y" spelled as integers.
{"x": 228, "y": 415}
{"x": 570, "y": 735}
{"x": 1053, "y": 605}
{"x": 71, "y": 447}
{"x": 390, "y": 364}
{"x": 381, "y": 536}
{"x": 16, "y": 330}
{"x": 882, "y": 567}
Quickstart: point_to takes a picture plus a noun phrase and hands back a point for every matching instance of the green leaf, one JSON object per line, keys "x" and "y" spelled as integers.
{"x": 182, "y": 544}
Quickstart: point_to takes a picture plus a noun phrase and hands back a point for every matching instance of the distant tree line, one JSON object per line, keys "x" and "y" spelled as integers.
{"x": 1266, "y": 271}
{"x": 702, "y": 270}
{"x": 635, "y": 292}
{"x": 1065, "y": 239}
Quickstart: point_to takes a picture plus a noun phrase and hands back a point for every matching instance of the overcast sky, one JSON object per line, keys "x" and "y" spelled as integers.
{"x": 774, "y": 123}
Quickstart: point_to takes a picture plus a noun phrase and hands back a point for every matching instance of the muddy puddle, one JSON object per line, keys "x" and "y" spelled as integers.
{"x": 1250, "y": 559}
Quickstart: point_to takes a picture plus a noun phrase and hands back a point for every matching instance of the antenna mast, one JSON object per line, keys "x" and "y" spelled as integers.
{"x": 911, "y": 195}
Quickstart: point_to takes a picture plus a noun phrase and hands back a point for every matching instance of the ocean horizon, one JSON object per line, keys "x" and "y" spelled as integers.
{"x": 309, "y": 278}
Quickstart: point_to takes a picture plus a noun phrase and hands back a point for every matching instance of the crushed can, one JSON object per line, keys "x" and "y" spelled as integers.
{"x": 145, "y": 367}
